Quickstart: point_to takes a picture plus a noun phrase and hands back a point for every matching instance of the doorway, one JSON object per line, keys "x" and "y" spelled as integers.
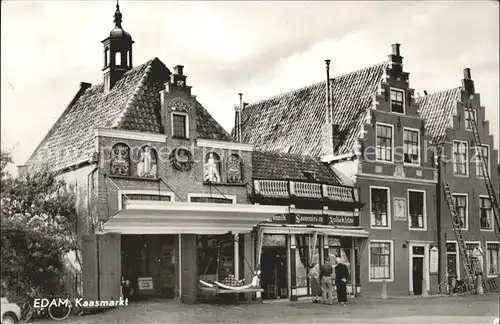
{"x": 418, "y": 275}
{"x": 417, "y": 268}
{"x": 274, "y": 272}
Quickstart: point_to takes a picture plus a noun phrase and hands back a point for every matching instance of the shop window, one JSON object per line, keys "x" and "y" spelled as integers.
{"x": 451, "y": 259}
{"x": 209, "y": 254}
{"x": 379, "y": 207}
{"x": 492, "y": 256}
{"x": 485, "y": 213}
{"x": 212, "y": 168}
{"x": 381, "y": 260}
{"x": 416, "y": 208}
{"x": 384, "y": 143}
{"x": 342, "y": 251}
{"x": 120, "y": 160}
{"x": 303, "y": 258}
{"x": 461, "y": 207}
{"x": 147, "y": 162}
{"x": 234, "y": 169}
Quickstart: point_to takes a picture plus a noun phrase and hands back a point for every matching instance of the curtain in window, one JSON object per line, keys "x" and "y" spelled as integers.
{"x": 380, "y": 263}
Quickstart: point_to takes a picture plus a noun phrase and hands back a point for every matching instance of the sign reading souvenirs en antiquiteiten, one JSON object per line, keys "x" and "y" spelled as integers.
{"x": 311, "y": 219}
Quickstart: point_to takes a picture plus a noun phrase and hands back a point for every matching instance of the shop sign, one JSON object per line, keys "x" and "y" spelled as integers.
{"x": 309, "y": 219}
{"x": 339, "y": 220}
{"x": 280, "y": 218}
{"x": 145, "y": 283}
{"x": 434, "y": 258}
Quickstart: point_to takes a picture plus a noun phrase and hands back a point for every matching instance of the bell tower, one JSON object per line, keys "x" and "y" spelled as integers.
{"x": 117, "y": 52}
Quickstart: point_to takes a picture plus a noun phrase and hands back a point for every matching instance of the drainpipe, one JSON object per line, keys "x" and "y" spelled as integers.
{"x": 440, "y": 242}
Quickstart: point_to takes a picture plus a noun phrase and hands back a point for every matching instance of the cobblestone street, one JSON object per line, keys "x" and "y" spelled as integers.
{"x": 471, "y": 309}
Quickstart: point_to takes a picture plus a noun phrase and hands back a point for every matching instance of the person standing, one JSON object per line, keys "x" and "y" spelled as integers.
{"x": 326, "y": 273}
{"x": 341, "y": 275}
{"x": 315, "y": 284}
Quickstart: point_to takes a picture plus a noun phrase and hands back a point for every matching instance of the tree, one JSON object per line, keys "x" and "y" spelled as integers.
{"x": 37, "y": 213}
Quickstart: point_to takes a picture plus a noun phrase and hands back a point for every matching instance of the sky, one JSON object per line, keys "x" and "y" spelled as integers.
{"x": 257, "y": 48}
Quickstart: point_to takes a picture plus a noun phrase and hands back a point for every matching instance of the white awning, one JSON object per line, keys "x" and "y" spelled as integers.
{"x": 311, "y": 229}
{"x": 164, "y": 217}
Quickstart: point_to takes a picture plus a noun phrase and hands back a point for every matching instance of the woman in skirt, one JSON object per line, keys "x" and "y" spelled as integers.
{"x": 315, "y": 285}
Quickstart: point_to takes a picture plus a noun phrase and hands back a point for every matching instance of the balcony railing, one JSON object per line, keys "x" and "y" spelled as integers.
{"x": 285, "y": 189}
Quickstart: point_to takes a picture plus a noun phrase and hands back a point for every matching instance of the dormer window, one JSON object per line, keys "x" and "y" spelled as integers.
{"x": 310, "y": 175}
{"x": 179, "y": 125}
{"x": 397, "y": 101}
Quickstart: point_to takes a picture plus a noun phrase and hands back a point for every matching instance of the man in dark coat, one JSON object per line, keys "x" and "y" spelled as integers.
{"x": 341, "y": 275}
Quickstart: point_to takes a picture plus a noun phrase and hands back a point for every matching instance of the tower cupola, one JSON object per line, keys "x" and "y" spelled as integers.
{"x": 117, "y": 52}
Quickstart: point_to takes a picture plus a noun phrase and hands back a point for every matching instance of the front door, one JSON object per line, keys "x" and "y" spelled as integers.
{"x": 418, "y": 275}
{"x": 167, "y": 271}
{"x": 274, "y": 274}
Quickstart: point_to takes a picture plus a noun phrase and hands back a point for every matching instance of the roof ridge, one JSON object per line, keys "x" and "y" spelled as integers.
{"x": 130, "y": 103}
{"x": 440, "y": 92}
{"x": 317, "y": 83}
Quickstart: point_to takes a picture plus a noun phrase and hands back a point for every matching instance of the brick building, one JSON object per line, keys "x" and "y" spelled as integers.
{"x": 166, "y": 197}
{"x": 449, "y": 124}
{"x": 366, "y": 125}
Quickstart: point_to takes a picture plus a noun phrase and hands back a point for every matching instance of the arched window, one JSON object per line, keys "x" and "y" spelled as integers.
{"x": 212, "y": 168}
{"x": 147, "y": 162}
{"x": 120, "y": 160}
{"x": 234, "y": 169}
{"x": 118, "y": 58}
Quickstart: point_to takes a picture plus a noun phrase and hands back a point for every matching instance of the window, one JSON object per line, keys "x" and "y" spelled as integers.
{"x": 469, "y": 247}
{"x": 179, "y": 125}
{"x": 380, "y": 260}
{"x": 213, "y": 200}
{"x": 461, "y": 206}
{"x": 485, "y": 213}
{"x": 397, "y": 101}
{"x": 459, "y": 158}
{"x": 384, "y": 143}
{"x": 451, "y": 259}
{"x": 120, "y": 160}
{"x": 468, "y": 124}
{"x": 485, "y": 151}
{"x": 379, "y": 207}
{"x": 492, "y": 253}
{"x": 411, "y": 146}
{"x": 126, "y": 197}
{"x": 416, "y": 206}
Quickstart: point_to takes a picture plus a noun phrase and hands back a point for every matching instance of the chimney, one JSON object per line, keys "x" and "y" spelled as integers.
{"x": 178, "y": 81}
{"x": 425, "y": 92}
{"x": 467, "y": 82}
{"x": 237, "y": 119}
{"x": 330, "y": 131}
{"x": 396, "y": 59}
{"x": 328, "y": 101}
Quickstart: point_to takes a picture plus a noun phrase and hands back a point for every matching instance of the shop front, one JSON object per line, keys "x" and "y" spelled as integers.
{"x": 291, "y": 243}
{"x": 167, "y": 247}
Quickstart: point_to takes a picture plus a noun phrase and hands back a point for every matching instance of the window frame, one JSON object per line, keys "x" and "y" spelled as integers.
{"x": 391, "y": 260}
{"x": 392, "y": 143}
{"x": 491, "y": 216}
{"x": 418, "y": 146}
{"x": 424, "y": 213}
{"x": 466, "y": 116}
{"x": 466, "y": 159}
{"x": 487, "y": 259}
{"x": 402, "y": 102}
{"x": 478, "y": 162}
{"x": 466, "y": 195}
{"x": 186, "y": 128}
{"x": 457, "y": 258}
{"x": 207, "y": 195}
{"x": 389, "y": 209}
{"x": 142, "y": 192}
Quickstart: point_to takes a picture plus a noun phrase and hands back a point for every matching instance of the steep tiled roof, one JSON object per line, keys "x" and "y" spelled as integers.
{"x": 133, "y": 104}
{"x": 437, "y": 110}
{"x": 292, "y": 122}
{"x": 281, "y": 166}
